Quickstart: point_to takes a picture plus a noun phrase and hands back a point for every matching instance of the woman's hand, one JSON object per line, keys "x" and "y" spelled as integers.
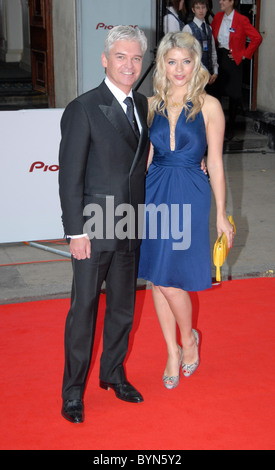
{"x": 224, "y": 226}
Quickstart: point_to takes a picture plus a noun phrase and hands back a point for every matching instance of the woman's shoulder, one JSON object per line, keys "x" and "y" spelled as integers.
{"x": 210, "y": 102}
{"x": 211, "y": 109}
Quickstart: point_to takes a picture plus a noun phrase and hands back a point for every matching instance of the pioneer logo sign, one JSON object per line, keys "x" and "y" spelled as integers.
{"x": 42, "y": 166}
{"x": 109, "y": 26}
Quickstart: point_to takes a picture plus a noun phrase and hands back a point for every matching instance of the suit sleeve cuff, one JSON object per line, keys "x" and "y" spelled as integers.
{"x": 77, "y": 236}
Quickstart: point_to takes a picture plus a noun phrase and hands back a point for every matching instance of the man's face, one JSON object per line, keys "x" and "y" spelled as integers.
{"x": 200, "y": 10}
{"x": 124, "y": 64}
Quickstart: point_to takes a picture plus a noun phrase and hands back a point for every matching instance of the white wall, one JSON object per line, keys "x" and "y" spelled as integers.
{"x": 65, "y": 51}
{"x": 96, "y": 18}
{"x": 266, "y": 74}
{"x": 29, "y": 201}
{"x": 78, "y": 41}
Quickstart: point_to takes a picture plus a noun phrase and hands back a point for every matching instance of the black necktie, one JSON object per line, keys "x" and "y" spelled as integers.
{"x": 203, "y": 28}
{"x": 131, "y": 115}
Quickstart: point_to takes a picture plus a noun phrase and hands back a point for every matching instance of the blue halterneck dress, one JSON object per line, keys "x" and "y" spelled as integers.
{"x": 175, "y": 249}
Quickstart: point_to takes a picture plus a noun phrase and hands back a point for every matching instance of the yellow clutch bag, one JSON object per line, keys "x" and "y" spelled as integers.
{"x": 221, "y": 250}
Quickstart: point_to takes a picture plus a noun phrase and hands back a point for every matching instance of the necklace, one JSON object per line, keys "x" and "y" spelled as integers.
{"x": 176, "y": 104}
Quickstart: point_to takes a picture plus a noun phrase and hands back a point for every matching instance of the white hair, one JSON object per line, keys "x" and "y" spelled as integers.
{"x": 125, "y": 33}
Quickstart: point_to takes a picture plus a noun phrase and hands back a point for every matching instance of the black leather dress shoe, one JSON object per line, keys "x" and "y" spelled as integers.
{"x": 124, "y": 391}
{"x": 73, "y": 411}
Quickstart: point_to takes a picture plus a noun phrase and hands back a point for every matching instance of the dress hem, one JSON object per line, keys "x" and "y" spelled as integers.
{"x": 177, "y": 286}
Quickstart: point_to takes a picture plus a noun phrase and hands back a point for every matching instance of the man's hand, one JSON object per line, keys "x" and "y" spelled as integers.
{"x": 80, "y": 248}
{"x": 203, "y": 166}
{"x": 213, "y": 78}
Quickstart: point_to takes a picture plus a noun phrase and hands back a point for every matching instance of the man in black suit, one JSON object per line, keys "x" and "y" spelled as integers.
{"x": 102, "y": 170}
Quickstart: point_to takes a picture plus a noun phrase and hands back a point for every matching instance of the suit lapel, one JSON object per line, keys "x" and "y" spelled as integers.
{"x": 140, "y": 110}
{"x": 144, "y": 132}
{"x": 116, "y": 116}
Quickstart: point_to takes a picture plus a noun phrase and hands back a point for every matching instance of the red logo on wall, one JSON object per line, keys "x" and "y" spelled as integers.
{"x": 110, "y": 26}
{"x": 42, "y": 166}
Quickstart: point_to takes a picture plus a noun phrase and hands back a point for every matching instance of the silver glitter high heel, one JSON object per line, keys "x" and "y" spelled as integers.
{"x": 189, "y": 369}
{"x": 173, "y": 381}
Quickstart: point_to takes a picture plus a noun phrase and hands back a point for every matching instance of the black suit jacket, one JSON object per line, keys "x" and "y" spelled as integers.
{"x": 100, "y": 161}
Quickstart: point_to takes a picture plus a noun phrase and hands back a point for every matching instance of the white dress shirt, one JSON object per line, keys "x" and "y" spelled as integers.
{"x": 120, "y": 96}
{"x": 224, "y": 31}
{"x": 170, "y": 22}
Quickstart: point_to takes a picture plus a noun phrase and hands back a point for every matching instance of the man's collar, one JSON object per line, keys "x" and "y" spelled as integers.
{"x": 231, "y": 15}
{"x": 117, "y": 92}
{"x": 197, "y": 21}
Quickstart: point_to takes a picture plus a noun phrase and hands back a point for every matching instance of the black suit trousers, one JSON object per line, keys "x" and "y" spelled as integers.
{"x": 119, "y": 270}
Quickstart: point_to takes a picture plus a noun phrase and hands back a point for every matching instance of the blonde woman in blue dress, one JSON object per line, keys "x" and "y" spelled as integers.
{"x": 183, "y": 121}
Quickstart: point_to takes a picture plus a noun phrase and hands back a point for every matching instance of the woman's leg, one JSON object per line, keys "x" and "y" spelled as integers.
{"x": 174, "y": 307}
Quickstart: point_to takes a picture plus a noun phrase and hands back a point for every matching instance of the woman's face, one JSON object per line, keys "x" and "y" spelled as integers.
{"x": 227, "y": 6}
{"x": 179, "y": 65}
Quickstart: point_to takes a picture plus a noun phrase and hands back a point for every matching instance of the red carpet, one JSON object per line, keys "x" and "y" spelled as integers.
{"x": 228, "y": 404}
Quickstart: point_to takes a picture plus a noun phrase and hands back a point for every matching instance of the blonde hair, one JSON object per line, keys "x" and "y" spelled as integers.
{"x": 158, "y": 103}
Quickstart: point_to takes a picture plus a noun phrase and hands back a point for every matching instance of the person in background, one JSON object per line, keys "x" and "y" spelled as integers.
{"x": 174, "y": 18}
{"x": 231, "y": 30}
{"x": 203, "y": 33}
{"x": 210, "y": 13}
{"x": 175, "y": 251}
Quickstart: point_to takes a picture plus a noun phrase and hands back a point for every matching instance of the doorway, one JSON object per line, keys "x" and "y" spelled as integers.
{"x": 251, "y": 9}
{"x": 26, "y": 55}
